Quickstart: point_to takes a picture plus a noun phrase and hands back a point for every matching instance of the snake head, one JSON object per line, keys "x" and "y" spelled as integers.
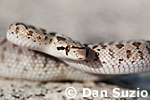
{"x": 50, "y": 43}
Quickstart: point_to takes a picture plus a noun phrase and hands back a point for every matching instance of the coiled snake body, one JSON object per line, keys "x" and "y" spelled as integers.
{"x": 40, "y": 55}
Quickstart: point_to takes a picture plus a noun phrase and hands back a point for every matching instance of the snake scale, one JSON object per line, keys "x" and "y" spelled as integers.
{"x": 33, "y": 53}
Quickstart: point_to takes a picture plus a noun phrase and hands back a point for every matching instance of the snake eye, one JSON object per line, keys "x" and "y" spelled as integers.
{"x": 67, "y": 49}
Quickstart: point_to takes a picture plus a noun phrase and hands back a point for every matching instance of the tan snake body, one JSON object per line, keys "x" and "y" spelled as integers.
{"x": 124, "y": 57}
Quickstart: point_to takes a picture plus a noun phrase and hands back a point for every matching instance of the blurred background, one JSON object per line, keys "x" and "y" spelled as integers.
{"x": 83, "y": 20}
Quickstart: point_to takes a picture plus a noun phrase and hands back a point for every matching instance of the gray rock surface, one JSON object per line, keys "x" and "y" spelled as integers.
{"x": 27, "y": 90}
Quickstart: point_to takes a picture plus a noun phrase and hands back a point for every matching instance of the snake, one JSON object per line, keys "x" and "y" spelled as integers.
{"x": 33, "y": 53}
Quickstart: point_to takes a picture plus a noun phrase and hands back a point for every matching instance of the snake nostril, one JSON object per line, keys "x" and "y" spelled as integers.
{"x": 59, "y": 38}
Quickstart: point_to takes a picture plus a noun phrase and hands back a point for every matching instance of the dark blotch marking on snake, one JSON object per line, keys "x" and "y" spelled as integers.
{"x": 77, "y": 47}
{"x": 19, "y": 23}
{"x": 98, "y": 49}
{"x": 43, "y": 31}
{"x": 67, "y": 49}
{"x": 17, "y": 30}
{"x": 61, "y": 38}
{"x": 52, "y": 33}
{"x": 141, "y": 54}
{"x": 31, "y": 26}
{"x": 46, "y": 37}
{"x": 95, "y": 46}
{"x": 50, "y": 41}
{"x": 137, "y": 44}
{"x": 148, "y": 49}
{"x": 26, "y": 26}
{"x": 120, "y": 60}
{"x": 103, "y": 46}
{"x": 61, "y": 48}
{"x": 104, "y": 62}
{"x": 87, "y": 53}
{"x": 132, "y": 62}
{"x": 45, "y": 62}
{"x": 34, "y": 40}
{"x": 111, "y": 53}
{"x": 119, "y": 46}
{"x": 30, "y": 33}
{"x": 39, "y": 37}
{"x": 128, "y": 52}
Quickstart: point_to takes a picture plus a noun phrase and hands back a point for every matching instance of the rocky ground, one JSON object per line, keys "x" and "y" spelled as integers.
{"x": 29, "y": 90}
